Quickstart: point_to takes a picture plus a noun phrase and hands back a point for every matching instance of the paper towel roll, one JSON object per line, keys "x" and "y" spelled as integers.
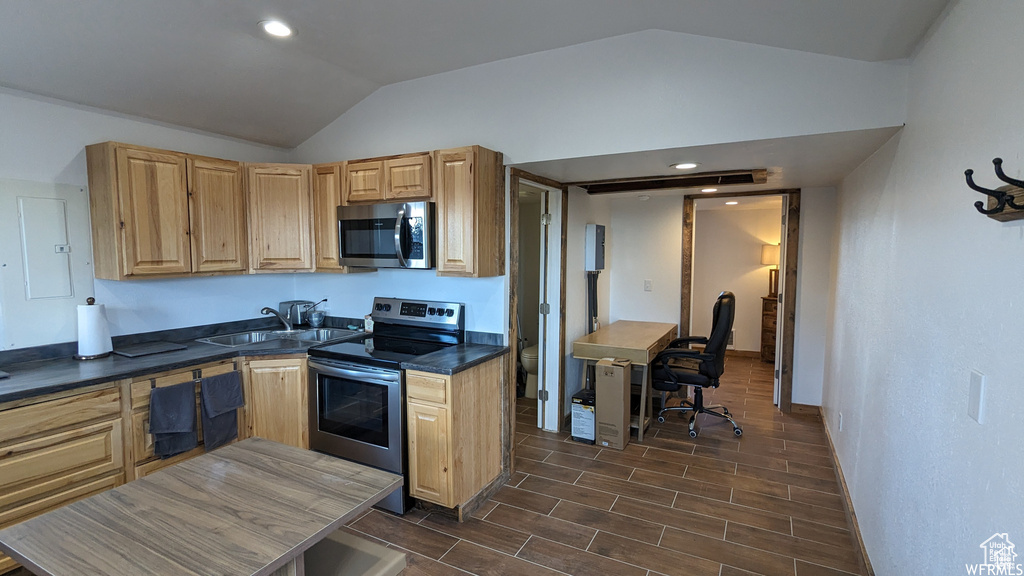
{"x": 93, "y": 331}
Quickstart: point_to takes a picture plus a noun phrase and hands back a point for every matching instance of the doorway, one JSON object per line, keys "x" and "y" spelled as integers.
{"x": 785, "y": 300}
{"x": 537, "y": 293}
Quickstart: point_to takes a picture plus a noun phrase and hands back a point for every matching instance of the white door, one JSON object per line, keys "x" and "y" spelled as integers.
{"x": 781, "y": 314}
{"x": 548, "y": 332}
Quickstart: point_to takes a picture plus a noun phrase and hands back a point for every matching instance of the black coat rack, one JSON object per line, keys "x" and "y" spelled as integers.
{"x": 1002, "y": 202}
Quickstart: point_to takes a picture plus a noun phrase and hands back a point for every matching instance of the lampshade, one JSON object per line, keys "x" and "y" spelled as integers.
{"x": 769, "y": 254}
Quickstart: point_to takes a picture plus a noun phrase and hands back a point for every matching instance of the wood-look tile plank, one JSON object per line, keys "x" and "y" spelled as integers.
{"x": 549, "y": 527}
{"x": 808, "y": 569}
{"x": 570, "y": 492}
{"x": 568, "y": 447}
{"x": 821, "y": 472}
{"x": 831, "y": 535}
{"x": 682, "y": 519}
{"x": 531, "y": 453}
{"x": 515, "y": 478}
{"x": 748, "y": 483}
{"x": 415, "y": 537}
{"x": 574, "y": 561}
{"x": 420, "y": 565}
{"x": 589, "y": 465}
{"x": 823, "y": 499}
{"x": 734, "y": 513}
{"x": 634, "y": 461}
{"x": 669, "y": 444}
{"x": 524, "y": 499}
{"x": 627, "y": 488}
{"x": 484, "y": 509}
{"x": 742, "y": 458}
{"x": 479, "y": 532}
{"x": 830, "y": 486}
{"x": 790, "y": 508}
{"x": 840, "y": 558}
{"x": 729, "y": 553}
{"x": 654, "y": 557}
{"x": 682, "y": 485}
{"x": 534, "y": 468}
{"x": 691, "y": 461}
{"x": 611, "y": 522}
{"x": 486, "y": 562}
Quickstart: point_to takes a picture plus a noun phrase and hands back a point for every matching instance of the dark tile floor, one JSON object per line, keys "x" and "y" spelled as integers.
{"x": 717, "y": 505}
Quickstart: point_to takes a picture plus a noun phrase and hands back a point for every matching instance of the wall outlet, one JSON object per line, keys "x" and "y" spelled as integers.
{"x": 840, "y": 421}
{"x": 647, "y": 285}
{"x": 976, "y": 401}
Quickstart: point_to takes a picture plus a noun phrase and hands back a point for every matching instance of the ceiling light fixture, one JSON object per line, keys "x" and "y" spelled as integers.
{"x": 644, "y": 197}
{"x": 709, "y": 190}
{"x": 276, "y": 28}
{"x": 732, "y": 203}
{"x": 686, "y": 165}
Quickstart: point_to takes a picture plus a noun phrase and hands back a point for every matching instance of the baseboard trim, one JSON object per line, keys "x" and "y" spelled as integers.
{"x": 851, "y": 516}
{"x": 805, "y": 409}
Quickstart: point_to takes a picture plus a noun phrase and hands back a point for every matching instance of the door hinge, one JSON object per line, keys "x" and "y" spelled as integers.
{"x": 776, "y": 374}
{"x": 545, "y": 219}
{"x": 783, "y": 219}
{"x": 545, "y": 308}
{"x": 542, "y": 395}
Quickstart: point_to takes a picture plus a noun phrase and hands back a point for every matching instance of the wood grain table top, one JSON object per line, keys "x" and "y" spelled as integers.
{"x": 247, "y": 508}
{"x": 637, "y": 341}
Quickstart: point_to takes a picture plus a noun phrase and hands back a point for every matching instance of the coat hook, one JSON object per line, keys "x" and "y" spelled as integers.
{"x": 999, "y": 196}
{"x": 998, "y": 164}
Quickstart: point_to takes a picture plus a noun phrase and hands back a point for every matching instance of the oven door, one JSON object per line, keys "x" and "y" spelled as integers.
{"x": 386, "y": 235}
{"x": 357, "y": 412}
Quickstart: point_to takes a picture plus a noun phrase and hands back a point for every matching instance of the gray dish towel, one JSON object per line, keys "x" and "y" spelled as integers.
{"x": 221, "y": 398}
{"x": 172, "y": 419}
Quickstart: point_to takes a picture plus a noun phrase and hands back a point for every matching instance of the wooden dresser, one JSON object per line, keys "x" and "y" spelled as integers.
{"x": 769, "y": 315}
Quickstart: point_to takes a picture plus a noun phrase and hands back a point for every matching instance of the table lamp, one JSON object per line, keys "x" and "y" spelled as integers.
{"x": 770, "y": 257}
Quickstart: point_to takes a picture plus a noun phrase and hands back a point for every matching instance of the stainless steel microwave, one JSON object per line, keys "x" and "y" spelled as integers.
{"x": 392, "y": 235}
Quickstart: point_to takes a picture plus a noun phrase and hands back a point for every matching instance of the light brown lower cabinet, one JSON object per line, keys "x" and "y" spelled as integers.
{"x": 57, "y": 449}
{"x": 454, "y": 428}
{"x": 276, "y": 400}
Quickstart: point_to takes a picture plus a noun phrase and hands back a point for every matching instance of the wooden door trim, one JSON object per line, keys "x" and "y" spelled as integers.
{"x": 785, "y": 364}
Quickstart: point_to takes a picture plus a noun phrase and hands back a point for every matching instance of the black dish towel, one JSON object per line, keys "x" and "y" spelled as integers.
{"x": 221, "y": 398}
{"x": 172, "y": 419}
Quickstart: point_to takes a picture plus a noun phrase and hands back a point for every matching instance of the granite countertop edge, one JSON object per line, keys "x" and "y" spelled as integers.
{"x": 42, "y": 377}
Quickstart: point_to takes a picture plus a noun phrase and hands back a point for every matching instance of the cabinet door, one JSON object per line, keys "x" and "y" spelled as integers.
{"x": 326, "y": 199}
{"x": 152, "y": 197}
{"x": 456, "y": 220}
{"x": 217, "y": 213}
{"x": 407, "y": 178}
{"x": 280, "y": 217}
{"x": 429, "y": 453}
{"x": 364, "y": 181}
{"x": 278, "y": 408}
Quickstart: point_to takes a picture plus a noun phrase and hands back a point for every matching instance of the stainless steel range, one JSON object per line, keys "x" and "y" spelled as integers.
{"x": 357, "y": 387}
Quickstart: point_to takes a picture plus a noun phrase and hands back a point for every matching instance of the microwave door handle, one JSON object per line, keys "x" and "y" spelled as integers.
{"x": 398, "y": 236}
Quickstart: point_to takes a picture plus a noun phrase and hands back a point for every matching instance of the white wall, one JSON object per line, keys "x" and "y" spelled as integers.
{"x": 926, "y": 290}
{"x": 643, "y": 91}
{"x": 727, "y": 256}
{"x": 44, "y": 141}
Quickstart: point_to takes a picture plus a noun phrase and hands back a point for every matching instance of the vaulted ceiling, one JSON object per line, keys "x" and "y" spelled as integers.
{"x": 206, "y": 65}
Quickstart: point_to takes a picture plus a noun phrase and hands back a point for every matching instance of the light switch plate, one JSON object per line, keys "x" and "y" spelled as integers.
{"x": 976, "y": 403}
{"x": 647, "y": 285}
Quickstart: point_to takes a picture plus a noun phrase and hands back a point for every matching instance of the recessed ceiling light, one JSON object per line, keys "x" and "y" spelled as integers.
{"x": 732, "y": 203}
{"x": 276, "y": 28}
{"x": 644, "y": 197}
{"x": 686, "y": 165}
{"x": 709, "y": 190}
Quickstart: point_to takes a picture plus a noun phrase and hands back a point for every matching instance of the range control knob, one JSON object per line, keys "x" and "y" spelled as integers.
{"x": 450, "y": 313}
{"x": 431, "y": 311}
{"x": 378, "y": 307}
{"x": 387, "y": 307}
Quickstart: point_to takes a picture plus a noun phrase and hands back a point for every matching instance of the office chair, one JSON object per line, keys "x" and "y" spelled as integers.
{"x": 670, "y": 375}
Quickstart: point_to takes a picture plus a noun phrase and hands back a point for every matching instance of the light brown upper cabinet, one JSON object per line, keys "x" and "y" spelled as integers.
{"x": 216, "y": 207}
{"x": 153, "y": 210}
{"x": 470, "y": 193}
{"x": 326, "y": 199}
{"x": 392, "y": 179}
{"x": 280, "y": 199}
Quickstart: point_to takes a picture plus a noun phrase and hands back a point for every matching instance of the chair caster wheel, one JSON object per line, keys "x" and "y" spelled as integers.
{"x": 661, "y": 419}
{"x": 693, "y": 433}
{"x": 737, "y": 431}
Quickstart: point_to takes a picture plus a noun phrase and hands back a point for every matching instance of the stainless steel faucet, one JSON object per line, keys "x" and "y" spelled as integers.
{"x": 284, "y": 320}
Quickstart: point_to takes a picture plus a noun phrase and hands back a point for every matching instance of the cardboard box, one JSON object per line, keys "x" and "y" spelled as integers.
{"x": 583, "y": 416}
{"x": 613, "y": 392}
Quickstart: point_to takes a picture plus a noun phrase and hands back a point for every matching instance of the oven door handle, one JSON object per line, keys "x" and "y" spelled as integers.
{"x": 399, "y": 222}
{"x": 360, "y": 375}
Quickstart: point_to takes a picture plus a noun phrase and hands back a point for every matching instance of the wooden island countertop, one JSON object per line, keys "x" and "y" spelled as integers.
{"x": 252, "y": 508}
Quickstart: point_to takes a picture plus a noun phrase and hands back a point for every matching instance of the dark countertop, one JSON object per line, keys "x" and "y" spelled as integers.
{"x": 40, "y": 377}
{"x": 455, "y": 359}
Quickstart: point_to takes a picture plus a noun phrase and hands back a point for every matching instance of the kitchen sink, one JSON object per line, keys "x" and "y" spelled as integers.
{"x": 305, "y": 336}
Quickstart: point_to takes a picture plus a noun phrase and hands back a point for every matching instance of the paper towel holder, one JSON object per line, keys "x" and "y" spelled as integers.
{"x": 91, "y": 301}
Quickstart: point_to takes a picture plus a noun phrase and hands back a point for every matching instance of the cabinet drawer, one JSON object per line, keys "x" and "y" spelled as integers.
{"x": 427, "y": 388}
{"x": 769, "y": 306}
{"x": 142, "y": 440}
{"x": 660, "y": 345}
{"x": 52, "y": 415}
{"x": 37, "y": 467}
{"x": 142, "y": 385}
{"x": 769, "y": 322}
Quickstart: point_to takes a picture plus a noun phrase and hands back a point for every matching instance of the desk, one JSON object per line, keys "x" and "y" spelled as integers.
{"x": 639, "y": 342}
{"x": 249, "y": 508}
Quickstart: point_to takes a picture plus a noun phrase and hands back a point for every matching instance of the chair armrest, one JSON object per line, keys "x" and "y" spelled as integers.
{"x": 669, "y": 353}
{"x": 687, "y": 340}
